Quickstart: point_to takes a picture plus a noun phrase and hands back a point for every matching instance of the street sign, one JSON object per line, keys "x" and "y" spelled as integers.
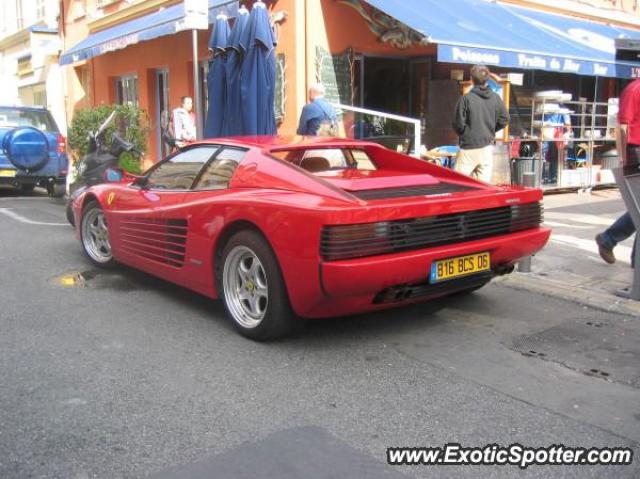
{"x": 196, "y": 15}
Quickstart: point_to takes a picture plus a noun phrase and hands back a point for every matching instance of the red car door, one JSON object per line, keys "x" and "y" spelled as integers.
{"x": 148, "y": 228}
{"x": 202, "y": 211}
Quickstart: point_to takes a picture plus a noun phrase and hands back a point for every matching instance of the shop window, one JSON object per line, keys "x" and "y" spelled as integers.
{"x": 127, "y": 90}
{"x": 84, "y": 79}
{"x": 40, "y": 9}
{"x": 77, "y": 10}
{"x": 19, "y": 18}
{"x": 40, "y": 98}
{"x": 104, "y": 3}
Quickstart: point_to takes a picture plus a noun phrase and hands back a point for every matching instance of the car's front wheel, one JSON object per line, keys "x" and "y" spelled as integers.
{"x": 94, "y": 235}
{"x": 252, "y": 287}
{"x": 69, "y": 213}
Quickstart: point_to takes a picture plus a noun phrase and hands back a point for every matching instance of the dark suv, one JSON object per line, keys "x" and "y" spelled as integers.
{"x": 32, "y": 150}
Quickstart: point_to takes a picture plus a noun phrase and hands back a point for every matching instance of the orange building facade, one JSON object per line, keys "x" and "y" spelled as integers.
{"x": 396, "y": 74}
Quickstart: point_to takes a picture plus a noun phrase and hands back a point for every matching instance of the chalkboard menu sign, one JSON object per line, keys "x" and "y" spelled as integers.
{"x": 280, "y": 89}
{"x": 335, "y": 72}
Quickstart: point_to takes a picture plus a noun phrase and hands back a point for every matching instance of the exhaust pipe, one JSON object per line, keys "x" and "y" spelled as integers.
{"x": 503, "y": 269}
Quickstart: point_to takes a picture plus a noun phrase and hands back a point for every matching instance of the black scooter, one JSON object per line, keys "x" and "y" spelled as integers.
{"x": 99, "y": 165}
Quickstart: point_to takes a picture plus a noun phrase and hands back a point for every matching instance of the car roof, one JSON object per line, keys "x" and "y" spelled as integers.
{"x": 283, "y": 142}
{"x": 20, "y": 107}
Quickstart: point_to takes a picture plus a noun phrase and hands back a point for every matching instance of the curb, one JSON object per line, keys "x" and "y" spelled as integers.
{"x": 587, "y": 297}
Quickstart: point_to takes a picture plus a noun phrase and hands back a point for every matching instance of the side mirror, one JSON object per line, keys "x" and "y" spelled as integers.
{"x": 140, "y": 181}
{"x": 113, "y": 175}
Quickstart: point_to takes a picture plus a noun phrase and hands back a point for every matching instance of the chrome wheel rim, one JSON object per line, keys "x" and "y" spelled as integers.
{"x": 246, "y": 291}
{"x": 95, "y": 236}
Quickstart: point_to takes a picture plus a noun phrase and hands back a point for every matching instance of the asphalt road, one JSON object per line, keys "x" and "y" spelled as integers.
{"x": 129, "y": 376}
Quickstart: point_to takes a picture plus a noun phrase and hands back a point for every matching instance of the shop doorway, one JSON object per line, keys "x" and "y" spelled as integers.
{"x": 163, "y": 109}
{"x": 394, "y": 85}
{"x": 386, "y": 85}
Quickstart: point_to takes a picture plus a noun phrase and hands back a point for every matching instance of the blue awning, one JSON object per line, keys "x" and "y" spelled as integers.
{"x": 166, "y": 21}
{"x": 479, "y": 31}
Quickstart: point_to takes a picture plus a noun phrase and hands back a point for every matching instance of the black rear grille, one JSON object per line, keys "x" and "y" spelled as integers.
{"x": 354, "y": 241}
{"x": 407, "y": 191}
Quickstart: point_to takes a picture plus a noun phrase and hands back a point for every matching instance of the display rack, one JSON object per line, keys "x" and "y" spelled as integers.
{"x": 584, "y": 156}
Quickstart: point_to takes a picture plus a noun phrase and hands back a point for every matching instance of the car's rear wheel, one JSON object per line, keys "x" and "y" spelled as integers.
{"x": 27, "y": 187}
{"x": 251, "y": 285}
{"x": 94, "y": 235}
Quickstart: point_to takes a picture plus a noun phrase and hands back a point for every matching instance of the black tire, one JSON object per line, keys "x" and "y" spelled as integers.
{"x": 55, "y": 191}
{"x": 27, "y": 187}
{"x": 69, "y": 212}
{"x": 91, "y": 210}
{"x": 279, "y": 318}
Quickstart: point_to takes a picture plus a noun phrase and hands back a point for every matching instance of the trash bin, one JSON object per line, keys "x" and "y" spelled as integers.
{"x": 528, "y": 165}
{"x": 610, "y": 159}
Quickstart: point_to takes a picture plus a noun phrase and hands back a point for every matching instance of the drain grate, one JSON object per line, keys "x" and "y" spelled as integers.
{"x": 608, "y": 350}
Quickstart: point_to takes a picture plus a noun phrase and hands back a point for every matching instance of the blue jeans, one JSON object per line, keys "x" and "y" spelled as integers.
{"x": 618, "y": 231}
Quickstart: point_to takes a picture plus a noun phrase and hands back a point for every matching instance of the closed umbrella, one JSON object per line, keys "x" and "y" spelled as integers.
{"x": 216, "y": 78}
{"x": 258, "y": 75}
{"x": 232, "y": 124}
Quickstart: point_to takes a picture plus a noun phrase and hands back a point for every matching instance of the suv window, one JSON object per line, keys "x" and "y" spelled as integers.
{"x": 40, "y": 119}
{"x": 179, "y": 171}
{"x": 218, "y": 173}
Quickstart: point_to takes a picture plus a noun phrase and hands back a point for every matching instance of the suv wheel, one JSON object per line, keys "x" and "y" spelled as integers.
{"x": 55, "y": 190}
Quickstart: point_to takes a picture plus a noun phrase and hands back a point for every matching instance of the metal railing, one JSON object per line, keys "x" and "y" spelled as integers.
{"x": 381, "y": 127}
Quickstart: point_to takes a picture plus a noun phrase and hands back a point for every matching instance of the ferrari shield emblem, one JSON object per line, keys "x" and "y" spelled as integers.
{"x": 110, "y": 198}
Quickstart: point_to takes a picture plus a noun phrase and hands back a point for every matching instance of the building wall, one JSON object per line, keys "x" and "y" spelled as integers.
{"x": 29, "y": 73}
{"x": 623, "y": 12}
{"x": 16, "y": 15}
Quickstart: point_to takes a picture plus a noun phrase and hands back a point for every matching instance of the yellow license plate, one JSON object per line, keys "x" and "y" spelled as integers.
{"x": 450, "y": 268}
{"x": 8, "y": 173}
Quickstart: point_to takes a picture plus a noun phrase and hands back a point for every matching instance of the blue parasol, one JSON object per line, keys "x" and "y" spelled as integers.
{"x": 258, "y": 75}
{"x": 216, "y": 78}
{"x": 232, "y": 125}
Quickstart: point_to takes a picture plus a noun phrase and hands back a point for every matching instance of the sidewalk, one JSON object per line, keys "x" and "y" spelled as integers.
{"x": 569, "y": 267}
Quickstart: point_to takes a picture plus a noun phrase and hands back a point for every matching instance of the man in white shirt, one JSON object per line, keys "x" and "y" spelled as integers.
{"x": 184, "y": 122}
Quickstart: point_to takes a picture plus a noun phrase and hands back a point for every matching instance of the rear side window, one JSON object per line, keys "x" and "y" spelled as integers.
{"x": 217, "y": 174}
{"x": 14, "y": 117}
{"x": 326, "y": 159}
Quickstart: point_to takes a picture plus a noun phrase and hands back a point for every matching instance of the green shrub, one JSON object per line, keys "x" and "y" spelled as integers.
{"x": 131, "y": 123}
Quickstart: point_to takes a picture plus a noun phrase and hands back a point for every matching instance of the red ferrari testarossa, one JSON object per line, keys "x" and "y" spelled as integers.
{"x": 290, "y": 228}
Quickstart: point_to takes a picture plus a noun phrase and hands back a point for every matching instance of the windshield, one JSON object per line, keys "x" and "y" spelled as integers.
{"x": 325, "y": 159}
{"x": 40, "y": 119}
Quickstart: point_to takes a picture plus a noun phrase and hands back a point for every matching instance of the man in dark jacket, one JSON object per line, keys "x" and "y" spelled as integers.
{"x": 478, "y": 116}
